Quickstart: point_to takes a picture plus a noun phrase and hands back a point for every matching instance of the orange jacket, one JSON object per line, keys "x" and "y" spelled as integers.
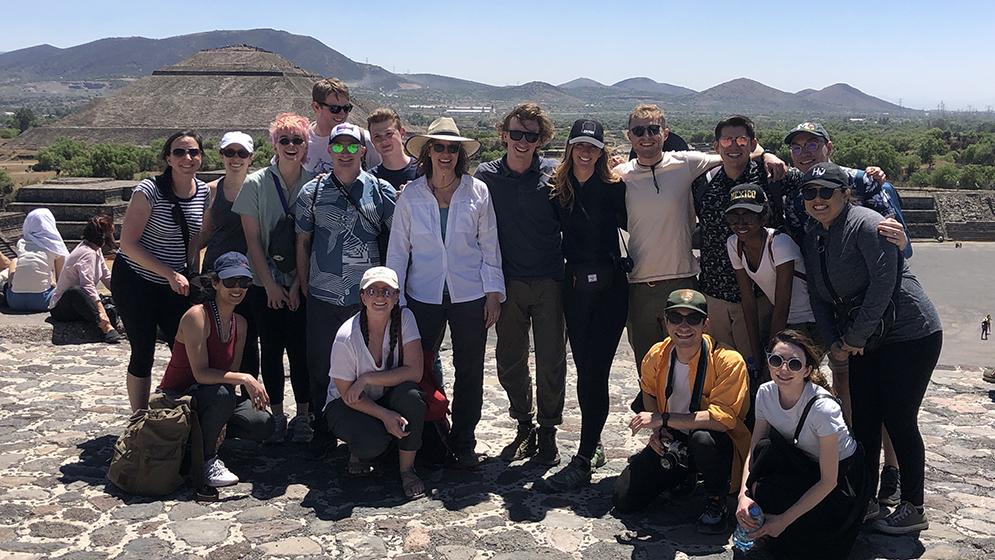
{"x": 725, "y": 394}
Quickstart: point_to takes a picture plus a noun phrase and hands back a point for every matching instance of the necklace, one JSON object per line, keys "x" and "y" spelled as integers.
{"x": 217, "y": 322}
{"x": 445, "y": 188}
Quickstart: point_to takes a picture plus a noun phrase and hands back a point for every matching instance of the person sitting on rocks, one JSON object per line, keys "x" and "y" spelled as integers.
{"x": 695, "y": 398}
{"x": 205, "y": 363}
{"x": 41, "y": 254}
{"x": 376, "y": 362}
{"x": 76, "y": 297}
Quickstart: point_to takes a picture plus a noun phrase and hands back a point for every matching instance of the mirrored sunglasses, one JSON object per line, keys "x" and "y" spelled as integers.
{"x": 382, "y": 292}
{"x": 340, "y": 148}
{"x": 726, "y": 141}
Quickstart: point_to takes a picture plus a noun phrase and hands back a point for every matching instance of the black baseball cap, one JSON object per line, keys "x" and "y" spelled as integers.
{"x": 812, "y": 128}
{"x": 826, "y": 174}
{"x": 749, "y": 196}
{"x": 586, "y": 130}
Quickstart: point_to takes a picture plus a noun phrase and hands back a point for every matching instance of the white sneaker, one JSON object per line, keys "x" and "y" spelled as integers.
{"x": 217, "y": 475}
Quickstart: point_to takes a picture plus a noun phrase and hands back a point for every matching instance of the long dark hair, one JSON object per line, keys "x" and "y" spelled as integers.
{"x": 425, "y": 160}
{"x": 395, "y": 333}
{"x": 167, "y": 148}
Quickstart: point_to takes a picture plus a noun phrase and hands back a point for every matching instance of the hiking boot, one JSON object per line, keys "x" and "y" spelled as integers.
{"x": 523, "y": 446}
{"x": 599, "y": 458}
{"x": 299, "y": 430}
{"x": 279, "y": 429}
{"x": 712, "y": 521}
{"x": 217, "y": 475}
{"x": 906, "y": 518}
{"x": 873, "y": 511}
{"x": 574, "y": 476}
{"x": 112, "y": 337}
{"x": 890, "y": 492}
{"x": 548, "y": 454}
{"x": 466, "y": 459}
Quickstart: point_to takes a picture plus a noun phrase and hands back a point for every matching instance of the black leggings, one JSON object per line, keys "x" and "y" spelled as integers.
{"x": 218, "y": 406}
{"x": 145, "y": 308}
{"x": 594, "y": 326}
{"x": 279, "y": 330}
{"x": 76, "y": 305}
{"x": 887, "y": 385}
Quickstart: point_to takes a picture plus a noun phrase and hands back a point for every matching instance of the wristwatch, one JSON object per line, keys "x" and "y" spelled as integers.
{"x": 665, "y": 417}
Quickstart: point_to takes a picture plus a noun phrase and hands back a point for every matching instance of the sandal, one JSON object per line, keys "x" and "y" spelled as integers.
{"x": 358, "y": 468}
{"x": 412, "y": 486}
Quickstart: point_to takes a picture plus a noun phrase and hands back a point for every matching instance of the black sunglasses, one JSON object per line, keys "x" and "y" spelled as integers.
{"x": 822, "y": 192}
{"x": 336, "y": 109}
{"x": 641, "y": 131}
{"x": 180, "y": 152}
{"x": 236, "y": 282}
{"x": 530, "y": 137}
{"x": 776, "y": 361}
{"x": 382, "y": 292}
{"x": 693, "y": 319}
{"x": 451, "y": 148}
{"x": 241, "y": 153}
{"x": 296, "y": 140}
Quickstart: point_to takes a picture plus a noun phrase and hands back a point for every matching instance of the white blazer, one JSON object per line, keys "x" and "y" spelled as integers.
{"x": 468, "y": 261}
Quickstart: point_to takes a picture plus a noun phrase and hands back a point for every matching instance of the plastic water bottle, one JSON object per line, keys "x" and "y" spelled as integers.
{"x": 741, "y": 539}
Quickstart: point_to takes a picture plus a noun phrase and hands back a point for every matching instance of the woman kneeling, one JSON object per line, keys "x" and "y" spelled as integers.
{"x": 207, "y": 354}
{"x": 376, "y": 363}
{"x": 804, "y": 469}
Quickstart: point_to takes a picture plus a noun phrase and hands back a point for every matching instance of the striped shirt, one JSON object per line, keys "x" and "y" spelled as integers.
{"x": 163, "y": 237}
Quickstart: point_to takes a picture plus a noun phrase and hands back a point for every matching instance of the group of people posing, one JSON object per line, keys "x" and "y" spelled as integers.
{"x": 355, "y": 248}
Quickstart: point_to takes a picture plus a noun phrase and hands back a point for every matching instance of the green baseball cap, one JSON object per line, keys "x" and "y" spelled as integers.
{"x": 812, "y": 128}
{"x": 687, "y": 299}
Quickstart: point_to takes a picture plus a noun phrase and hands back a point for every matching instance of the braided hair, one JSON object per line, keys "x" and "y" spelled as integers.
{"x": 395, "y": 334}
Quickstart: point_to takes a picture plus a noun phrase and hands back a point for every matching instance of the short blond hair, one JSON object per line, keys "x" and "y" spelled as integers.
{"x": 648, "y": 111}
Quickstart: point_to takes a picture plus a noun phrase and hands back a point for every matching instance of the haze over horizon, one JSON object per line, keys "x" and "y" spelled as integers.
{"x": 903, "y": 52}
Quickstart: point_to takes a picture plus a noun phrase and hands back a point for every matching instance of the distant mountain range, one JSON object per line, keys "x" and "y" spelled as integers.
{"x": 128, "y": 57}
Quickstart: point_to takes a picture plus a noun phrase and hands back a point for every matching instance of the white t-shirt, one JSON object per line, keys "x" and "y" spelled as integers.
{"x": 783, "y": 249}
{"x": 35, "y": 267}
{"x": 351, "y": 358}
{"x": 680, "y": 400}
{"x": 825, "y": 418}
{"x": 320, "y": 161}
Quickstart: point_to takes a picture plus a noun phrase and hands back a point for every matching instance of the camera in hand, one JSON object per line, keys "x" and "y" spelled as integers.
{"x": 675, "y": 454}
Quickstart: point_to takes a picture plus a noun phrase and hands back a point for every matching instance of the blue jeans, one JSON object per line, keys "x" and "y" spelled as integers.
{"x": 28, "y": 302}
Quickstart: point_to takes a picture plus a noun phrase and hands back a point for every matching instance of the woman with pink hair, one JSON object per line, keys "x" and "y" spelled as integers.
{"x": 266, "y": 203}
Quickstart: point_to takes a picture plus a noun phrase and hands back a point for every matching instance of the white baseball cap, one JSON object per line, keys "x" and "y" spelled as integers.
{"x": 237, "y": 137}
{"x": 346, "y": 129}
{"x": 379, "y": 274}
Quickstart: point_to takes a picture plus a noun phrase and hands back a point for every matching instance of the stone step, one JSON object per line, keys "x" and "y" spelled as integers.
{"x": 82, "y": 191}
{"x": 917, "y": 202}
{"x": 71, "y": 211}
{"x": 74, "y": 230}
{"x": 971, "y": 231}
{"x": 916, "y": 216}
{"x": 11, "y": 220}
{"x": 924, "y": 231}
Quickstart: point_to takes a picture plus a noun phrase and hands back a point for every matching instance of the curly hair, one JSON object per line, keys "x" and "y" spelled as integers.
{"x": 530, "y": 112}
{"x": 813, "y": 357}
{"x": 395, "y": 335}
{"x": 289, "y": 123}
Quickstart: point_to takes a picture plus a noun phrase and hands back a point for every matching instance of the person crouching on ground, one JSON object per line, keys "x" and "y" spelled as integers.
{"x": 803, "y": 471}
{"x": 205, "y": 364}
{"x": 695, "y": 395}
{"x": 76, "y": 297}
{"x": 374, "y": 398}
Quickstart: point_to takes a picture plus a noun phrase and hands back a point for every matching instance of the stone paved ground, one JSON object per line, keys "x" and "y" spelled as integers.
{"x": 63, "y": 405}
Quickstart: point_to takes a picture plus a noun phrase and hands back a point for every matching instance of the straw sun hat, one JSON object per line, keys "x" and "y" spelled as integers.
{"x": 442, "y": 128}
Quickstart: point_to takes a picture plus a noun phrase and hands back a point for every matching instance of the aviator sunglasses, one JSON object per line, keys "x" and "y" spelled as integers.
{"x": 382, "y": 292}
{"x": 726, "y": 141}
{"x": 641, "y": 131}
{"x": 180, "y": 152}
{"x": 236, "y": 282}
{"x": 296, "y": 140}
{"x": 231, "y": 152}
{"x": 336, "y": 109}
{"x": 777, "y": 360}
{"x": 822, "y": 192}
{"x": 339, "y": 148}
{"x": 451, "y": 148}
{"x": 530, "y": 137}
{"x": 693, "y": 319}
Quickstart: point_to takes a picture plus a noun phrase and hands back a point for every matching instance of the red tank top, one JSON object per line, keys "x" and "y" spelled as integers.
{"x": 220, "y": 355}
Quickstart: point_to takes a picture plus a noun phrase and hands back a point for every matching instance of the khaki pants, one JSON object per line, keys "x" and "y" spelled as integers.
{"x": 538, "y": 303}
{"x": 647, "y": 301}
{"x": 727, "y": 325}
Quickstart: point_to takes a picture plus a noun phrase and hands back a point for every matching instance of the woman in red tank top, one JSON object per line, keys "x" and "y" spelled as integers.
{"x": 205, "y": 363}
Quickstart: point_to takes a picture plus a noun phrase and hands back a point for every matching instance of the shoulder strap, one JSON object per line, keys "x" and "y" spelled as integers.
{"x": 279, "y": 191}
{"x": 699, "y": 377}
{"x": 166, "y": 191}
{"x": 808, "y": 407}
{"x": 345, "y": 192}
{"x": 825, "y": 272}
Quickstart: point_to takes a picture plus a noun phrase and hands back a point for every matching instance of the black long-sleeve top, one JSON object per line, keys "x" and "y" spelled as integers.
{"x": 590, "y": 225}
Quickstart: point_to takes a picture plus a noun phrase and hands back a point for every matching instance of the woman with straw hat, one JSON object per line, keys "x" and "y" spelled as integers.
{"x": 444, "y": 247}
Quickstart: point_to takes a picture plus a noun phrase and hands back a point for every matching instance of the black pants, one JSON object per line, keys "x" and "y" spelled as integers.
{"x": 281, "y": 330}
{"x": 76, "y": 305}
{"x": 887, "y": 385}
{"x": 466, "y": 327}
{"x": 323, "y": 322}
{"x": 709, "y": 453}
{"x": 218, "y": 406}
{"x": 145, "y": 308}
{"x": 367, "y": 436}
{"x": 594, "y": 326}
{"x": 826, "y": 531}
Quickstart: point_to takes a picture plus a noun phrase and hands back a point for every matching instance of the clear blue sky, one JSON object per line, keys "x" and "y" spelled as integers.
{"x": 918, "y": 52}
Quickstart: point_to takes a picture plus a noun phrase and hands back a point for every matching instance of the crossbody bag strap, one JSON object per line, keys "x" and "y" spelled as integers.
{"x": 279, "y": 192}
{"x": 345, "y": 192}
{"x": 167, "y": 192}
{"x": 770, "y": 251}
{"x": 699, "y": 377}
{"x": 825, "y": 272}
{"x": 808, "y": 407}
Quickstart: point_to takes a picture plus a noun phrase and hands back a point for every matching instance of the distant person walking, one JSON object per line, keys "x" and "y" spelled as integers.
{"x": 986, "y": 327}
